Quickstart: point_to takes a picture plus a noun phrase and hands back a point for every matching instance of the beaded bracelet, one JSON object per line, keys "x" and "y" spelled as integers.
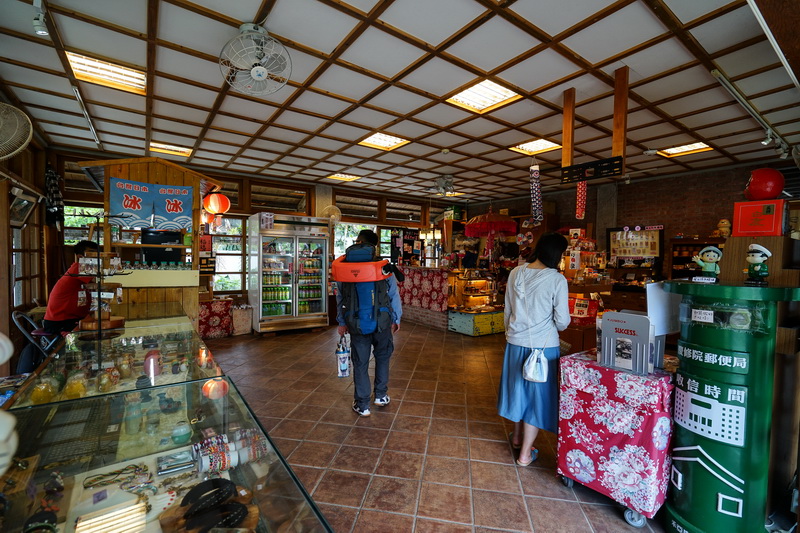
{"x": 109, "y": 478}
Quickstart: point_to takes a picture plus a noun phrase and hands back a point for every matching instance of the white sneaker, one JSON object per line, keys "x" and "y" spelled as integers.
{"x": 383, "y": 401}
{"x": 360, "y": 411}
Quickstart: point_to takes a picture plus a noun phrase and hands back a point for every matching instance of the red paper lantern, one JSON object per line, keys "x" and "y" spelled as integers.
{"x": 207, "y": 218}
{"x": 216, "y": 203}
{"x": 764, "y": 184}
{"x": 215, "y": 388}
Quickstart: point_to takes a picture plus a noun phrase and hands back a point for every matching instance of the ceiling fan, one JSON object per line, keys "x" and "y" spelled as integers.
{"x": 443, "y": 185}
{"x": 254, "y": 63}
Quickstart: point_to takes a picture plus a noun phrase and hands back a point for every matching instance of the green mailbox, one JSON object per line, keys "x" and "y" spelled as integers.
{"x": 723, "y": 407}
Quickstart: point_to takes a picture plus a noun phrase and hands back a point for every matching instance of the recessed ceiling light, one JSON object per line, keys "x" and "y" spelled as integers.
{"x": 686, "y": 149}
{"x": 343, "y": 177}
{"x": 107, "y": 74}
{"x": 535, "y": 147}
{"x": 383, "y": 141}
{"x": 484, "y": 97}
{"x": 170, "y": 149}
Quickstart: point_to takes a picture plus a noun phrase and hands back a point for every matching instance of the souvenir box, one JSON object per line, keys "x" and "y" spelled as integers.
{"x": 614, "y": 431}
{"x": 761, "y": 217}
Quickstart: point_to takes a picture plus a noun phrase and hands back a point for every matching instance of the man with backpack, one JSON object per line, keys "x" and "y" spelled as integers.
{"x": 370, "y": 311}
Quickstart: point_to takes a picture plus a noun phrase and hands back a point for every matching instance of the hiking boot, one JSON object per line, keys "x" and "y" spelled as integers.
{"x": 383, "y": 400}
{"x": 362, "y": 411}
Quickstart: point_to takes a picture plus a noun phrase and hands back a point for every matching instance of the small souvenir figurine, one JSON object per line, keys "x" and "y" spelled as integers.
{"x": 757, "y": 270}
{"x": 708, "y": 260}
{"x": 724, "y": 228}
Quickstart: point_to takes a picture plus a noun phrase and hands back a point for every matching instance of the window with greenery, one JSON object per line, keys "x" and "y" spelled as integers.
{"x": 345, "y": 234}
{"x": 76, "y": 225}
{"x": 406, "y": 212}
{"x": 272, "y": 198}
{"x": 26, "y": 260}
{"x": 228, "y": 240}
{"x": 357, "y": 206}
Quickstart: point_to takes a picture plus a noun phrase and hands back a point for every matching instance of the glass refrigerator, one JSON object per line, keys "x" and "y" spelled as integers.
{"x": 288, "y": 271}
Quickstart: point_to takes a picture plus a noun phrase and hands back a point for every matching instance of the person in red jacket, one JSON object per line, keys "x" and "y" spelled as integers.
{"x": 63, "y": 312}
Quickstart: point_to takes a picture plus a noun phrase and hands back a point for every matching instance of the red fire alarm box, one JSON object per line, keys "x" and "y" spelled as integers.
{"x": 762, "y": 217}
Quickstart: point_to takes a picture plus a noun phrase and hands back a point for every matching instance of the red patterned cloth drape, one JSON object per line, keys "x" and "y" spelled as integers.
{"x": 215, "y": 320}
{"x": 614, "y": 431}
{"x": 425, "y": 288}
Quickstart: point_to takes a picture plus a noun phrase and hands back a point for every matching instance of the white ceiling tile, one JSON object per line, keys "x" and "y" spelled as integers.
{"x": 32, "y": 53}
{"x": 91, "y": 39}
{"x": 218, "y": 147}
{"x": 310, "y": 23}
{"x": 348, "y": 133}
{"x": 438, "y": 77}
{"x": 408, "y": 129}
{"x": 791, "y": 116}
{"x": 652, "y": 60}
{"x": 415, "y": 149}
{"x": 727, "y": 30}
{"x": 445, "y": 139}
{"x": 398, "y": 100}
{"x": 321, "y": 104}
{"x": 169, "y": 138}
{"x": 187, "y": 66}
{"x": 296, "y": 161}
{"x": 253, "y": 162}
{"x": 630, "y": 26}
{"x": 727, "y": 113}
{"x": 98, "y": 111}
{"x": 244, "y": 168}
{"x": 243, "y": 10}
{"x": 478, "y": 127}
{"x": 325, "y": 144}
{"x": 747, "y": 59}
{"x": 183, "y": 92}
{"x": 281, "y": 134}
{"x": 520, "y": 112}
{"x": 200, "y": 154}
{"x": 124, "y": 141}
{"x": 174, "y": 126}
{"x": 442, "y": 114}
{"x": 431, "y": 22}
{"x": 381, "y": 53}
{"x": 474, "y": 148}
{"x": 374, "y": 165}
{"x": 59, "y": 118}
{"x": 664, "y": 87}
{"x": 226, "y": 136}
{"x": 560, "y": 14}
{"x": 689, "y": 10}
{"x": 71, "y": 141}
{"x": 314, "y": 155}
{"x": 547, "y": 125}
{"x": 247, "y": 108}
{"x": 168, "y": 109}
{"x": 656, "y": 131}
{"x": 68, "y": 104}
{"x": 584, "y": 133}
{"x": 345, "y": 82}
{"x": 368, "y": 117}
{"x": 272, "y": 147}
{"x": 14, "y": 74}
{"x": 109, "y": 96}
{"x": 542, "y": 69}
{"x": 58, "y": 129}
{"x": 123, "y": 129}
{"x": 359, "y": 151}
{"x": 597, "y": 109}
{"x": 230, "y": 123}
{"x": 789, "y": 97}
{"x": 131, "y": 14}
{"x": 193, "y": 31}
{"x": 696, "y": 101}
{"x": 507, "y": 42}
{"x": 726, "y": 128}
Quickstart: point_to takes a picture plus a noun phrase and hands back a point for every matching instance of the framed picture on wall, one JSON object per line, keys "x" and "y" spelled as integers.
{"x": 21, "y": 207}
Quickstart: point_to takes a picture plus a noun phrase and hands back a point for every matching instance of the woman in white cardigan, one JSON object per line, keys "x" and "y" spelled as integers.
{"x": 536, "y": 309}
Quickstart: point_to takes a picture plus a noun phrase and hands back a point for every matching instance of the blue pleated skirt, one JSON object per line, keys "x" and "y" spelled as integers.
{"x": 533, "y": 403}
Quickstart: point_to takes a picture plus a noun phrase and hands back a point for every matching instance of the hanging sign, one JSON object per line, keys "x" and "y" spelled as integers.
{"x": 150, "y": 205}
{"x": 537, "y": 212}
{"x": 602, "y": 168}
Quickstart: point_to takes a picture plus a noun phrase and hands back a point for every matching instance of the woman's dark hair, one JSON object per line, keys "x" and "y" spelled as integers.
{"x": 549, "y": 249}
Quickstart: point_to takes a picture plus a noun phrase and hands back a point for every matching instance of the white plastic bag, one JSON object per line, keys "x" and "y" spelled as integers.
{"x": 535, "y": 366}
{"x": 343, "y": 357}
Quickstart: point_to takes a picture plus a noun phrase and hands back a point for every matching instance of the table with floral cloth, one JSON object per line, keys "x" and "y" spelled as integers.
{"x": 614, "y": 431}
{"x": 215, "y": 320}
{"x": 425, "y": 288}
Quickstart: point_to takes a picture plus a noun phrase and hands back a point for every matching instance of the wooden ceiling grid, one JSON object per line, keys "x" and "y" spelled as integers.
{"x": 478, "y": 156}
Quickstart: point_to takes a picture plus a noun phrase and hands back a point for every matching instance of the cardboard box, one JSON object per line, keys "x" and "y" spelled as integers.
{"x": 762, "y": 217}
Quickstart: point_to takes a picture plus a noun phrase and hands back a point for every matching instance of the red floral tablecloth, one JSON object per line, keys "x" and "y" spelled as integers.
{"x": 215, "y": 320}
{"x": 614, "y": 431}
{"x": 425, "y": 288}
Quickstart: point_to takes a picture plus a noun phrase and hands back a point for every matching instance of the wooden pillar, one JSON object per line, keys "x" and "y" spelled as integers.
{"x": 620, "y": 122}
{"x": 568, "y": 128}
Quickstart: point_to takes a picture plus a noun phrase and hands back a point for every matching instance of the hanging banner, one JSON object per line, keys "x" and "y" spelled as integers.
{"x": 580, "y": 200}
{"x": 150, "y": 205}
{"x": 537, "y": 212}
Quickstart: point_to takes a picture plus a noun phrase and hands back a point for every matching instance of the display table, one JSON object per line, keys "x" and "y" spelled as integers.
{"x": 99, "y": 457}
{"x": 614, "y": 431}
{"x": 424, "y": 295}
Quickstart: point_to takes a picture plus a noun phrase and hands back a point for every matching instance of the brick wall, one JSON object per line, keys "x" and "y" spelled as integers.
{"x": 434, "y": 319}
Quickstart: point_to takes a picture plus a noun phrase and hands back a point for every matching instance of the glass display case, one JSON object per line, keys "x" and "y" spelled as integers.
{"x": 174, "y": 457}
{"x": 158, "y": 347}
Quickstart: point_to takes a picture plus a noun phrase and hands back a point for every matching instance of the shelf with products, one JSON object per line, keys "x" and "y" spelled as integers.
{"x": 472, "y": 290}
{"x": 680, "y": 259}
{"x": 143, "y": 452}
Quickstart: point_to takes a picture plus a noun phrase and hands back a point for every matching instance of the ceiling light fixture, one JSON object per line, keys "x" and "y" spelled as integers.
{"x": 745, "y": 103}
{"x": 484, "y": 97}
{"x": 686, "y": 149}
{"x": 170, "y": 149}
{"x": 86, "y": 116}
{"x": 383, "y": 141}
{"x": 343, "y": 177}
{"x": 39, "y": 27}
{"x": 107, "y": 74}
{"x": 768, "y": 138}
{"x": 535, "y": 147}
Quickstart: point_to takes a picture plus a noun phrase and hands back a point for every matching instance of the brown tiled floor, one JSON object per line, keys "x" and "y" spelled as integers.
{"x": 435, "y": 460}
